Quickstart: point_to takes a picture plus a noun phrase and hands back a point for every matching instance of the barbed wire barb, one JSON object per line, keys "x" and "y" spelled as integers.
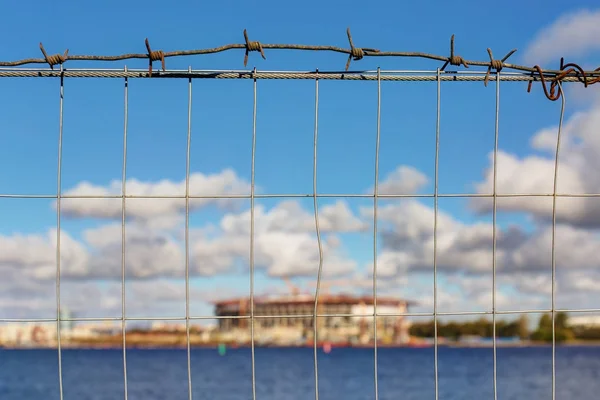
{"x": 454, "y": 59}
{"x": 154, "y": 56}
{"x": 252, "y": 46}
{"x": 496, "y": 64}
{"x": 54, "y": 59}
{"x": 356, "y": 53}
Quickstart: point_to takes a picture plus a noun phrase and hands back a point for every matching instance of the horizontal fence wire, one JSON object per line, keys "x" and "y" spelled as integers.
{"x": 300, "y": 195}
{"x": 367, "y": 75}
{"x": 311, "y": 315}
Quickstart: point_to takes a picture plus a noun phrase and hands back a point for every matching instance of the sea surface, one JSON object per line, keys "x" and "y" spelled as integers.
{"x": 281, "y": 374}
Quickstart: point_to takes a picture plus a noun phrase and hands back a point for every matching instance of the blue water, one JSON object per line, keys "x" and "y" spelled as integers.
{"x": 283, "y": 374}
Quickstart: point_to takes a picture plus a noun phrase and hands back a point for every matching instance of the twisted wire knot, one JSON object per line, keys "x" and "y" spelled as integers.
{"x": 497, "y": 65}
{"x": 252, "y": 46}
{"x": 154, "y": 56}
{"x": 457, "y": 60}
{"x": 356, "y": 53}
{"x": 55, "y": 58}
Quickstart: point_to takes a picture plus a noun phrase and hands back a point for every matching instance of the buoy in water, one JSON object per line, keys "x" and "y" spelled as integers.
{"x": 221, "y": 348}
{"x": 327, "y": 348}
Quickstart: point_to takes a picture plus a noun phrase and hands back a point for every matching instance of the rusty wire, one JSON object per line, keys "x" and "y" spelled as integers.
{"x": 354, "y": 53}
{"x": 154, "y": 56}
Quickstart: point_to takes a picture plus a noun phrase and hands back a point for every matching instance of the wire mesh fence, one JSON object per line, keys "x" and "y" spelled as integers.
{"x": 524, "y": 74}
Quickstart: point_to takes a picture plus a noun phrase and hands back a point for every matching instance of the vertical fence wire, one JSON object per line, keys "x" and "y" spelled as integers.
{"x": 435, "y": 225}
{"x": 123, "y": 213}
{"x": 187, "y": 237}
{"x": 318, "y": 233}
{"x": 319, "y": 242}
{"x": 252, "y": 183}
{"x": 375, "y": 203}
{"x": 553, "y": 256}
{"x": 58, "y": 197}
{"x": 494, "y": 216}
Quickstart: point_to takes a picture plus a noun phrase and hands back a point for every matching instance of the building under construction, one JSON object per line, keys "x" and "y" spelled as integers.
{"x": 343, "y": 318}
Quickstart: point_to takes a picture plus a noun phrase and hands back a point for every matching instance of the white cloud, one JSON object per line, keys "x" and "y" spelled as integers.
{"x": 285, "y": 244}
{"x": 148, "y": 253}
{"x": 403, "y": 180}
{"x": 407, "y": 241}
{"x": 285, "y": 240}
{"x": 579, "y": 159}
{"x": 34, "y": 256}
{"x": 572, "y": 35}
{"x": 290, "y": 216}
{"x": 225, "y": 183}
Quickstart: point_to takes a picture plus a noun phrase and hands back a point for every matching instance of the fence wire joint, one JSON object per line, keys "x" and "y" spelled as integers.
{"x": 154, "y": 56}
{"x": 55, "y": 58}
{"x": 252, "y": 46}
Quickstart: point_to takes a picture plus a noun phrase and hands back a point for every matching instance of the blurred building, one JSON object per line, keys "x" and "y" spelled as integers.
{"x": 27, "y": 334}
{"x": 586, "y": 321}
{"x": 346, "y": 318}
{"x": 90, "y": 330}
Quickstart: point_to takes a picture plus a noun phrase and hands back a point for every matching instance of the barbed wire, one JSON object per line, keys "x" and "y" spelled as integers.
{"x": 551, "y": 76}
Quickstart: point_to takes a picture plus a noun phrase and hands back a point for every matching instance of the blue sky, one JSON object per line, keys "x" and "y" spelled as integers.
{"x": 222, "y": 127}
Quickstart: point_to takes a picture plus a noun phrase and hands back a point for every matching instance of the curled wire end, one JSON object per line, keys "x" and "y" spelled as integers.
{"x": 154, "y": 56}
{"x": 565, "y": 69}
{"x": 550, "y": 94}
{"x": 252, "y": 46}
{"x": 580, "y": 72}
{"x": 55, "y": 58}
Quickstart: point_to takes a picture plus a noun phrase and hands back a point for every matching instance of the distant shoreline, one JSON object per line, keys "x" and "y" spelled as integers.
{"x": 114, "y": 346}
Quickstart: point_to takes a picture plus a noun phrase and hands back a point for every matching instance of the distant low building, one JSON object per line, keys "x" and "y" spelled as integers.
{"x": 346, "y": 317}
{"x": 27, "y": 334}
{"x": 587, "y": 321}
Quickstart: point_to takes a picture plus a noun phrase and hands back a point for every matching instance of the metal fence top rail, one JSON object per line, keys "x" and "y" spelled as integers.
{"x": 367, "y": 75}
